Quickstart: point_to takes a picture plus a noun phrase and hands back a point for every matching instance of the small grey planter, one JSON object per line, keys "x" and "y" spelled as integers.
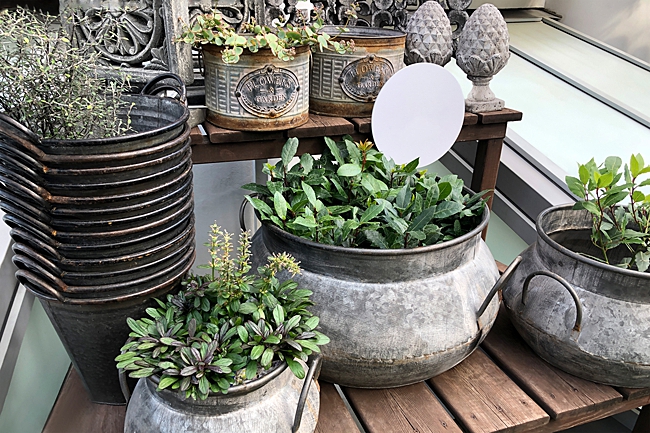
{"x": 587, "y": 318}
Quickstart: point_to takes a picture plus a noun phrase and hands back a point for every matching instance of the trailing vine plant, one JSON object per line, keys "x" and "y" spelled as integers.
{"x": 50, "y": 85}
{"x": 619, "y": 209}
{"x": 224, "y": 328}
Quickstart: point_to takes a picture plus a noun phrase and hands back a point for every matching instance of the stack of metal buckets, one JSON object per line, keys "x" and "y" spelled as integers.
{"x": 101, "y": 226}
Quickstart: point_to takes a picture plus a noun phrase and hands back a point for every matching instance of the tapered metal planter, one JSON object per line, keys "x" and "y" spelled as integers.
{"x": 276, "y": 403}
{"x": 348, "y": 84}
{"x": 258, "y": 93}
{"x": 101, "y": 226}
{"x": 588, "y": 318}
{"x": 394, "y": 317}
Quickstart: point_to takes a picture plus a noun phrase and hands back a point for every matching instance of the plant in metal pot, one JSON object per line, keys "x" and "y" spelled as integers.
{"x": 271, "y": 65}
{"x": 225, "y": 332}
{"x": 580, "y": 294}
{"x": 620, "y": 210}
{"x": 393, "y": 254}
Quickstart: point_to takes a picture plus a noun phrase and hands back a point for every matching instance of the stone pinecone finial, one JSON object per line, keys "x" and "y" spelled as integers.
{"x": 429, "y": 36}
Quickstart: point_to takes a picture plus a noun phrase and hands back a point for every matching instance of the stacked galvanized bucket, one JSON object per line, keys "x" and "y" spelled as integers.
{"x": 100, "y": 227}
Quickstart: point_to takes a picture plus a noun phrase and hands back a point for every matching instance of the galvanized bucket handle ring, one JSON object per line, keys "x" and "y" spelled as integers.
{"x": 242, "y": 210}
{"x": 498, "y": 285}
{"x": 565, "y": 283}
{"x": 315, "y": 362}
{"x": 151, "y": 88}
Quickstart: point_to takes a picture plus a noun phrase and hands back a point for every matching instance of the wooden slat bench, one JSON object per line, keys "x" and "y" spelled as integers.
{"x": 502, "y": 387}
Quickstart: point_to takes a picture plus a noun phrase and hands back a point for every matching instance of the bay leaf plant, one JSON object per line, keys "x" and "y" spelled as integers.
{"x": 212, "y": 28}
{"x": 224, "y": 328}
{"x": 51, "y": 85}
{"x": 354, "y": 196}
{"x": 611, "y": 193}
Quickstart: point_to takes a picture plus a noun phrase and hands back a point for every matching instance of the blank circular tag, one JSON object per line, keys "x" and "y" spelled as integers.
{"x": 418, "y": 113}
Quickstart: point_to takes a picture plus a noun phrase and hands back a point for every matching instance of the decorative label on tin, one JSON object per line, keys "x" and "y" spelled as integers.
{"x": 362, "y": 79}
{"x": 268, "y": 92}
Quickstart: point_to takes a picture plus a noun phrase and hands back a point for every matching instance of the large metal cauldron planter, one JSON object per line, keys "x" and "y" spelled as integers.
{"x": 258, "y": 93}
{"x": 394, "y": 317}
{"x": 101, "y": 226}
{"x": 587, "y": 318}
{"x": 278, "y": 402}
{"x": 348, "y": 84}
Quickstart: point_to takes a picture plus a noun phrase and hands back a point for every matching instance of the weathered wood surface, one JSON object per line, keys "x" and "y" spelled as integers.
{"x": 412, "y": 409}
{"x": 501, "y": 116}
{"x": 73, "y": 411}
{"x": 322, "y": 126}
{"x": 483, "y": 399}
{"x": 506, "y": 389}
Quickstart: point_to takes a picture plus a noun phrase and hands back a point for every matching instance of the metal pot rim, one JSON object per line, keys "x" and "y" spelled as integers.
{"x": 213, "y": 49}
{"x": 382, "y": 252}
{"x": 575, "y": 256}
{"x": 357, "y": 33}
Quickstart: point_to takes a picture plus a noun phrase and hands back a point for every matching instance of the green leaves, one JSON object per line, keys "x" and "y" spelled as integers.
{"x": 353, "y": 196}
{"x": 619, "y": 209}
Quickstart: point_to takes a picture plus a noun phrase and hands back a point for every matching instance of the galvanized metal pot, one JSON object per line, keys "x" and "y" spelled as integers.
{"x": 276, "y": 403}
{"x": 348, "y": 84}
{"x": 587, "y": 318}
{"x": 258, "y": 93}
{"x": 394, "y": 317}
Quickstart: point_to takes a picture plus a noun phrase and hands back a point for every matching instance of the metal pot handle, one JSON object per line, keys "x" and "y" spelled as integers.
{"x": 315, "y": 362}
{"x": 565, "y": 283}
{"x": 17, "y": 132}
{"x": 45, "y": 291}
{"x": 124, "y": 386}
{"x": 497, "y": 286}
{"x": 242, "y": 209}
{"x": 150, "y": 88}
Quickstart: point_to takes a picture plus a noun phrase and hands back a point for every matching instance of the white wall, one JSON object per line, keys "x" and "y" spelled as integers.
{"x": 624, "y": 24}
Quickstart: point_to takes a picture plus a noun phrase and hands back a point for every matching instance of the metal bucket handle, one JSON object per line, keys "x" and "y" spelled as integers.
{"x": 32, "y": 264}
{"x": 565, "y": 283}
{"x": 242, "y": 210}
{"x": 45, "y": 291}
{"x": 151, "y": 89}
{"x": 315, "y": 362}
{"x": 497, "y": 286}
{"x": 124, "y": 386}
{"x": 17, "y": 132}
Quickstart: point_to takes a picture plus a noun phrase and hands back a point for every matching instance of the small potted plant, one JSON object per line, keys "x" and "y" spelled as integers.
{"x": 393, "y": 255}
{"x": 258, "y": 80}
{"x": 226, "y": 353}
{"x": 580, "y": 295}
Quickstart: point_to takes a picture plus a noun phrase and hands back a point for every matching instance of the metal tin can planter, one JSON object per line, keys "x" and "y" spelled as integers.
{"x": 279, "y": 402}
{"x": 258, "y": 93}
{"x": 587, "y": 318}
{"x": 394, "y": 317}
{"x": 348, "y": 84}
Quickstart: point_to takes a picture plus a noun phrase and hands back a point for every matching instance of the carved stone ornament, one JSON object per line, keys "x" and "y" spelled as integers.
{"x": 428, "y": 36}
{"x": 135, "y": 35}
{"x": 483, "y": 50}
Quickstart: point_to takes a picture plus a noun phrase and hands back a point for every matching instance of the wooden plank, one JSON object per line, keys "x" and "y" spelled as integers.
{"x": 197, "y": 137}
{"x": 632, "y": 393}
{"x": 334, "y": 416}
{"x": 483, "y": 399}
{"x": 470, "y": 119}
{"x": 74, "y": 412}
{"x": 222, "y": 135}
{"x": 321, "y": 126}
{"x": 502, "y": 116}
{"x": 406, "y": 409}
{"x": 560, "y": 394}
{"x": 362, "y": 124}
{"x": 482, "y": 132}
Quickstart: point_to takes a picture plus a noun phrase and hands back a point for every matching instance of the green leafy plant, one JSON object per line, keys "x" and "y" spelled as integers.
{"x": 353, "y": 196}
{"x": 50, "y": 85}
{"x": 620, "y": 210}
{"x": 224, "y": 328}
{"x": 211, "y": 28}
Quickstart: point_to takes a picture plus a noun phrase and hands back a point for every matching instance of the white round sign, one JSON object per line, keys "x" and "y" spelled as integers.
{"x": 418, "y": 113}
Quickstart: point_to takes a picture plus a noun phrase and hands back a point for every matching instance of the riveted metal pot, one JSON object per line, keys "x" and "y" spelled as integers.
{"x": 348, "y": 84}
{"x": 587, "y": 318}
{"x": 258, "y": 93}
{"x": 278, "y": 402}
{"x": 394, "y": 317}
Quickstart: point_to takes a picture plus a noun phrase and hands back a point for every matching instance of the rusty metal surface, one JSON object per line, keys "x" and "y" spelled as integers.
{"x": 347, "y": 84}
{"x": 612, "y": 345}
{"x": 259, "y": 93}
